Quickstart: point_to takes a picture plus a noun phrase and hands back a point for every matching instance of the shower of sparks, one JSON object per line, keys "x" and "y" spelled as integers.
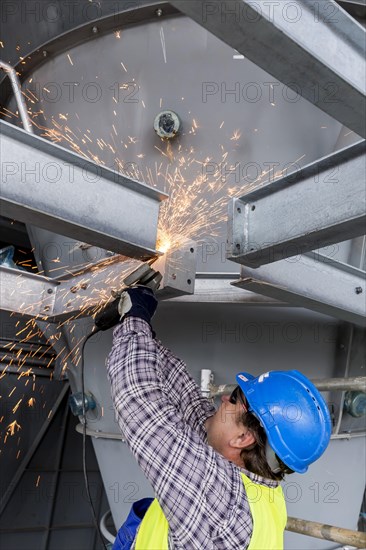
{"x": 197, "y": 206}
{"x": 236, "y": 136}
{"x": 13, "y": 427}
{"x": 17, "y": 406}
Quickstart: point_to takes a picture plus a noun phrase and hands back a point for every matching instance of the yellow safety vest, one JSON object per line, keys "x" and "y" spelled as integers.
{"x": 267, "y": 506}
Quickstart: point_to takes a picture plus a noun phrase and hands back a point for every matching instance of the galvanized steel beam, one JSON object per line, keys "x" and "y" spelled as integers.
{"x": 83, "y": 293}
{"x": 26, "y": 293}
{"x": 312, "y": 281}
{"x": 315, "y": 48}
{"x": 321, "y": 204}
{"x": 50, "y": 187}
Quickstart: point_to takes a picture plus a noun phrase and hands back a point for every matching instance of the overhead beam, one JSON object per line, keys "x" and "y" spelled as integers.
{"x": 319, "y": 205}
{"x": 315, "y": 48}
{"x": 50, "y": 187}
{"x": 312, "y": 281}
{"x": 26, "y": 293}
{"x": 83, "y": 293}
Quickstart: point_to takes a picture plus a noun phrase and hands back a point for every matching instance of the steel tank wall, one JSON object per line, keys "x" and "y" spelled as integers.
{"x": 100, "y": 98}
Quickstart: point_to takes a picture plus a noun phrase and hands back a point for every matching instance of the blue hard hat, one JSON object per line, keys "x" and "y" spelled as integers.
{"x": 293, "y": 414}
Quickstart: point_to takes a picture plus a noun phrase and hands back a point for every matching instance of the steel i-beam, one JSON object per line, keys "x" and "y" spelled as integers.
{"x": 50, "y": 187}
{"x": 313, "y": 281}
{"x": 315, "y": 48}
{"x": 321, "y": 204}
{"x": 82, "y": 294}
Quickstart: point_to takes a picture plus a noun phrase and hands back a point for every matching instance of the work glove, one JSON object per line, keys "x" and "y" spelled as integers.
{"x": 138, "y": 301}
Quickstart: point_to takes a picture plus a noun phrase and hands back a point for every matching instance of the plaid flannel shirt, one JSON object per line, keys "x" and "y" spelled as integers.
{"x": 162, "y": 414}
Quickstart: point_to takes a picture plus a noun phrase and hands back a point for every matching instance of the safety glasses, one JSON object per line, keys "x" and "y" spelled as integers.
{"x": 237, "y": 394}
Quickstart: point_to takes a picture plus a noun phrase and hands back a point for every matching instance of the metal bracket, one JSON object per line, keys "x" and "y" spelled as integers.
{"x": 301, "y": 51}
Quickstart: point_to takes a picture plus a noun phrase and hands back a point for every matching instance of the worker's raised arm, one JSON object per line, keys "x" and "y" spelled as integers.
{"x": 194, "y": 485}
{"x": 184, "y": 392}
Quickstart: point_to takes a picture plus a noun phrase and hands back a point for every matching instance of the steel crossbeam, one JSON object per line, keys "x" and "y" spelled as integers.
{"x": 313, "y": 281}
{"x": 50, "y": 187}
{"x": 83, "y": 293}
{"x": 315, "y": 48}
{"x": 321, "y": 204}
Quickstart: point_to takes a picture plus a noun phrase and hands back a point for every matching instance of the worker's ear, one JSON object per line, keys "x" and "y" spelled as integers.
{"x": 243, "y": 440}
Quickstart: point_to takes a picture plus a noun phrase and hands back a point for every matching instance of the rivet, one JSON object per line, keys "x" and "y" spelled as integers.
{"x": 159, "y": 12}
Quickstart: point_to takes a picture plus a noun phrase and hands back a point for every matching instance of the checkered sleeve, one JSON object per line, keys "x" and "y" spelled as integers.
{"x": 197, "y": 489}
{"x": 183, "y": 391}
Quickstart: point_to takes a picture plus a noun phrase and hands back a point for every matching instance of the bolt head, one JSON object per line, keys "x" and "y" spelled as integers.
{"x": 358, "y": 289}
{"x": 159, "y": 12}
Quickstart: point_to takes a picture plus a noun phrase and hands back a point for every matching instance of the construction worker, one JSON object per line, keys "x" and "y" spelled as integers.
{"x": 215, "y": 473}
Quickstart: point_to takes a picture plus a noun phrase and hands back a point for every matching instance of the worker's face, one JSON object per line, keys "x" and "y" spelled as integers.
{"x": 226, "y": 432}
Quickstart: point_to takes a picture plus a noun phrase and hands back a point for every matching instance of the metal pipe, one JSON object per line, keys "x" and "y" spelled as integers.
{"x": 99, "y": 434}
{"x": 353, "y": 383}
{"x": 348, "y": 383}
{"x": 326, "y": 532}
{"x": 103, "y": 528}
{"x": 118, "y": 437}
{"x": 346, "y": 371}
{"x": 17, "y": 89}
{"x": 348, "y": 435}
{"x": 206, "y": 379}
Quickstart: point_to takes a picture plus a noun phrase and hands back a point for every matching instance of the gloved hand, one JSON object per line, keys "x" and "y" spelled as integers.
{"x": 138, "y": 301}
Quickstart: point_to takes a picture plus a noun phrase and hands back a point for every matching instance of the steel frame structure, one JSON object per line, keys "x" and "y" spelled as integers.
{"x": 313, "y": 281}
{"x": 300, "y": 49}
{"x": 80, "y": 294}
{"x": 268, "y": 224}
{"x": 46, "y": 185}
{"x": 288, "y": 53}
